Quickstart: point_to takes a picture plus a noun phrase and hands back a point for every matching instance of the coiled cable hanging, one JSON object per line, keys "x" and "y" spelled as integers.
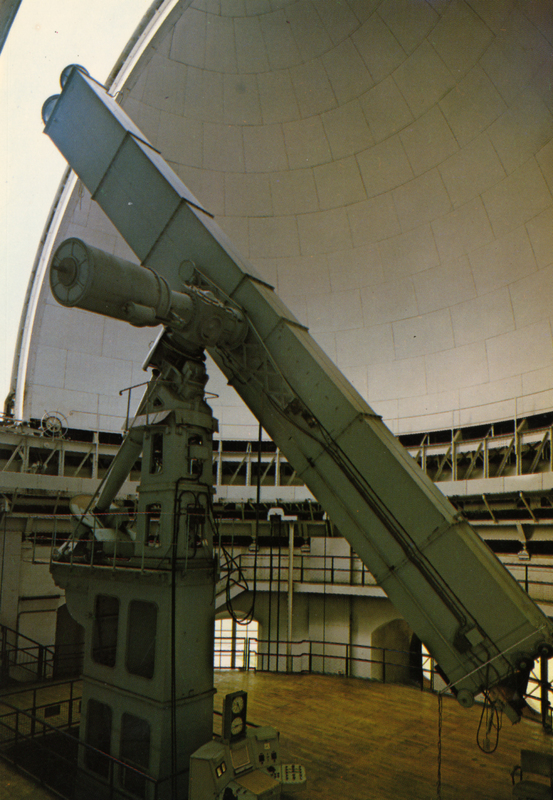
{"x": 490, "y": 720}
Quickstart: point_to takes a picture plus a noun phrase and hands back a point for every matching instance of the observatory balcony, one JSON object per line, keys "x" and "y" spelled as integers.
{"x": 453, "y": 458}
{"x": 42, "y": 468}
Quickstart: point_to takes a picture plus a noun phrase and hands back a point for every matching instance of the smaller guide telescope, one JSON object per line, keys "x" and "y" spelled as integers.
{"x": 85, "y": 277}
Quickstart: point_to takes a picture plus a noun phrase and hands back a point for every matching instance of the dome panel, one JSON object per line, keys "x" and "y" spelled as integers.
{"x": 277, "y": 98}
{"x": 341, "y": 18}
{"x": 444, "y": 286}
{"x": 385, "y": 166}
{"x": 462, "y": 231}
{"x": 203, "y": 95}
{"x": 461, "y": 37}
{"x": 423, "y": 79}
{"x": 306, "y": 143}
{"x": 282, "y": 50}
{"x": 339, "y": 184}
{"x": 428, "y": 141}
{"x": 378, "y": 48}
{"x": 293, "y": 192}
{"x": 308, "y": 30}
{"x": 515, "y": 55}
{"x": 347, "y": 130}
{"x": 189, "y": 38}
{"x": 472, "y": 106}
{"x": 348, "y": 75}
{"x": 513, "y": 139}
{"x": 482, "y": 317}
{"x": 471, "y": 171}
{"x": 421, "y": 200}
{"x": 264, "y": 148}
{"x": 540, "y": 231}
{"x": 373, "y": 220}
{"x": 516, "y": 200}
{"x": 386, "y": 110}
{"x": 409, "y": 22}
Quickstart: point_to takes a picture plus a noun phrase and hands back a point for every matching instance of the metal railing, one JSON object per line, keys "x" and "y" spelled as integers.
{"x": 53, "y": 754}
{"x": 309, "y": 656}
{"x": 26, "y": 661}
{"x": 369, "y": 662}
{"x": 59, "y": 703}
{"x": 524, "y": 450}
{"x": 23, "y": 657}
{"x": 307, "y": 568}
{"x": 515, "y": 447}
{"x": 536, "y": 579}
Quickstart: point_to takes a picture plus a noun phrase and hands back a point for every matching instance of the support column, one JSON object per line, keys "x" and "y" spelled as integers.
{"x": 544, "y": 692}
{"x": 289, "y": 631}
{"x": 144, "y": 592}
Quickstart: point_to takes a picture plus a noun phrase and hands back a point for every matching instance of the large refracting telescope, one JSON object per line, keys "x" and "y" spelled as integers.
{"x": 475, "y": 620}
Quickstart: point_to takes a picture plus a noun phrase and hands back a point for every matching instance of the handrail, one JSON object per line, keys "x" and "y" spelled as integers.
{"x": 23, "y": 636}
{"x": 11, "y": 652}
{"x": 328, "y": 570}
{"x": 112, "y": 761}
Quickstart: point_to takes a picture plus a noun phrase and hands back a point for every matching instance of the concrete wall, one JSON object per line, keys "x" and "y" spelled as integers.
{"x": 29, "y": 598}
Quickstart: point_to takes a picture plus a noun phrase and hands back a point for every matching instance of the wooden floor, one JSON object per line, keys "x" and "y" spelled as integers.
{"x": 360, "y": 740}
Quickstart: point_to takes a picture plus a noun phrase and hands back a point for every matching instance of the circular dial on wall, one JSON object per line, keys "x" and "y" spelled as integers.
{"x": 236, "y": 726}
{"x": 234, "y": 715}
{"x": 237, "y": 704}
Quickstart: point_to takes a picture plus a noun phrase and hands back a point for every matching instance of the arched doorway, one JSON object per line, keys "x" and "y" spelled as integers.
{"x": 390, "y": 652}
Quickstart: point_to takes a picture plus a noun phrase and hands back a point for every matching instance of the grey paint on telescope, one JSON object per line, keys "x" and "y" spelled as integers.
{"x": 472, "y": 615}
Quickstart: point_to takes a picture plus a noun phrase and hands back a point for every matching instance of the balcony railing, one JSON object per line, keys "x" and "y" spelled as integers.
{"x": 536, "y": 579}
{"x": 512, "y": 447}
{"x": 51, "y": 752}
{"x": 23, "y": 658}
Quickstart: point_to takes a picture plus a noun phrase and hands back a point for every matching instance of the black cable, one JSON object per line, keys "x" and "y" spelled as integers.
{"x": 401, "y": 536}
{"x": 359, "y": 482}
{"x": 278, "y": 596}
{"x": 231, "y": 561}
{"x": 230, "y": 566}
{"x": 440, "y": 726}
{"x": 327, "y": 527}
{"x": 173, "y": 654}
{"x": 173, "y": 635}
{"x": 491, "y": 716}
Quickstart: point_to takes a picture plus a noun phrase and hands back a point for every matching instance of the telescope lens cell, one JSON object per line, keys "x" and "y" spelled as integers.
{"x": 48, "y": 107}
{"x": 67, "y": 72}
{"x": 70, "y": 272}
{"x": 67, "y": 271}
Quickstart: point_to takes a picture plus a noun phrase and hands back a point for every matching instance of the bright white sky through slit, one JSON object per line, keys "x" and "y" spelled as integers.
{"x": 46, "y": 36}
